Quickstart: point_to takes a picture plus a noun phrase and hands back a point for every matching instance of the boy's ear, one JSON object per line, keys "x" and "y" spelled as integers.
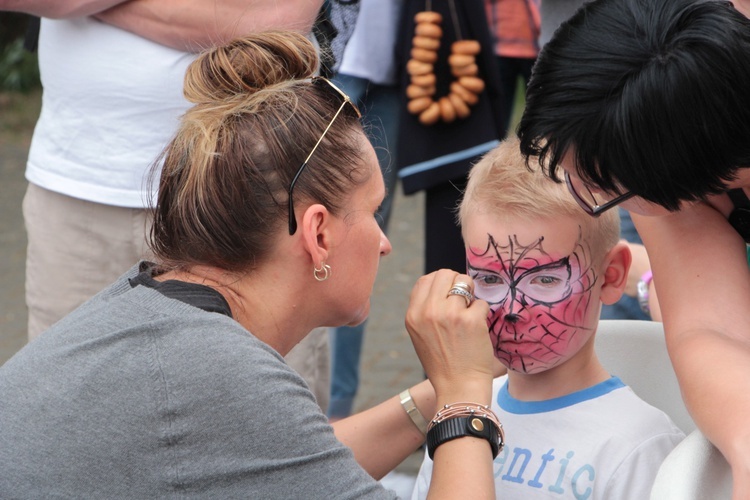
{"x": 315, "y": 230}
{"x": 616, "y": 266}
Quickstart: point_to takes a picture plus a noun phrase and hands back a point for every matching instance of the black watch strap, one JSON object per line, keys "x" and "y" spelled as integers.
{"x": 453, "y": 428}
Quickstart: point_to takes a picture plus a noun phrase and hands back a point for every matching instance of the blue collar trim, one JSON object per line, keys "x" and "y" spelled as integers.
{"x": 511, "y": 405}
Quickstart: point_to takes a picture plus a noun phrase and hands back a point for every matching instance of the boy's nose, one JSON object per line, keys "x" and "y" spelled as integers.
{"x": 512, "y": 318}
{"x": 515, "y": 308}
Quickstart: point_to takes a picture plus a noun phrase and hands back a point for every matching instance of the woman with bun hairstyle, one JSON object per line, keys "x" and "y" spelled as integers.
{"x": 171, "y": 382}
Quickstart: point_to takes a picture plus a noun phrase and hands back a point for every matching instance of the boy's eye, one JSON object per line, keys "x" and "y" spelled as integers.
{"x": 490, "y": 279}
{"x": 546, "y": 281}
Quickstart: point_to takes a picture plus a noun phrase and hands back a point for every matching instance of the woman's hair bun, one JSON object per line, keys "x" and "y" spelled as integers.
{"x": 248, "y": 64}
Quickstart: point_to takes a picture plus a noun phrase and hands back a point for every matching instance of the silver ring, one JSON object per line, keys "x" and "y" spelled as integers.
{"x": 468, "y": 297}
{"x": 463, "y": 285}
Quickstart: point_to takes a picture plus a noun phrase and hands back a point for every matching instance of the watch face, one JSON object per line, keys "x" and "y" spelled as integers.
{"x": 740, "y": 221}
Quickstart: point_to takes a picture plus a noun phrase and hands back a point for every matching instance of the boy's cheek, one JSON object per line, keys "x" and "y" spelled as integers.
{"x": 494, "y": 324}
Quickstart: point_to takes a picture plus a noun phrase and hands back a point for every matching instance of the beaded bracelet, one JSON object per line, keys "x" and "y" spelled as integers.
{"x": 464, "y": 410}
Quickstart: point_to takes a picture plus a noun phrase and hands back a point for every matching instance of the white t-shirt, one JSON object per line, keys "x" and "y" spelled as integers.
{"x": 111, "y": 103}
{"x": 370, "y": 52}
{"x": 602, "y": 443}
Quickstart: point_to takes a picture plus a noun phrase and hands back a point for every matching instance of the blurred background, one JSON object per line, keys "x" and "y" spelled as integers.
{"x": 20, "y": 100}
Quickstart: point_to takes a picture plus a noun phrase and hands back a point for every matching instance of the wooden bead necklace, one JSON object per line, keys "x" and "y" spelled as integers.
{"x": 466, "y": 86}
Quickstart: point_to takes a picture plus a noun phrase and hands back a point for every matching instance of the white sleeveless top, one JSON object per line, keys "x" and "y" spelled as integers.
{"x": 111, "y": 103}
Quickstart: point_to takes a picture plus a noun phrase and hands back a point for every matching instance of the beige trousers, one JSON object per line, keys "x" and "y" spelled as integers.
{"x": 76, "y": 248}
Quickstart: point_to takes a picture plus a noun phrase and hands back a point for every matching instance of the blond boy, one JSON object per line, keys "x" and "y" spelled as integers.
{"x": 545, "y": 268}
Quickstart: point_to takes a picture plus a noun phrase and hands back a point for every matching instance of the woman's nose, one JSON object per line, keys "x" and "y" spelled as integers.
{"x": 385, "y": 244}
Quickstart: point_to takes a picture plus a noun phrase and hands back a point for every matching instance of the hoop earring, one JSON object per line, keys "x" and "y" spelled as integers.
{"x": 325, "y": 269}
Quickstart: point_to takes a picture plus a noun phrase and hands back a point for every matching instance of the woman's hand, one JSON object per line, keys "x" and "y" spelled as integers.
{"x": 451, "y": 339}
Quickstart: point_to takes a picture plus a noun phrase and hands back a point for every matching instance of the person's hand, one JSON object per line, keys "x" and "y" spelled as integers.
{"x": 638, "y": 266}
{"x": 451, "y": 339}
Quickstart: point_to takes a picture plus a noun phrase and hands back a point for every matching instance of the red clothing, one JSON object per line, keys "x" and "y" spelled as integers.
{"x": 515, "y": 26}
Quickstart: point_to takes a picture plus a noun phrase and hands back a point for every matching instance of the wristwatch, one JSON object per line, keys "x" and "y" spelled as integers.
{"x": 453, "y": 428}
{"x": 642, "y": 290}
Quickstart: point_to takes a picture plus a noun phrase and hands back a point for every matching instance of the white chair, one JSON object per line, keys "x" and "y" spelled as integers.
{"x": 694, "y": 470}
{"x": 636, "y": 352}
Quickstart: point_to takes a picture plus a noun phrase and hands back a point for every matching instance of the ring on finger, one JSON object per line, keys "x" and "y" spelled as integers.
{"x": 464, "y": 286}
{"x": 468, "y": 297}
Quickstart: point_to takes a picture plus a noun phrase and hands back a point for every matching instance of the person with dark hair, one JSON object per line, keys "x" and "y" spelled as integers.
{"x": 644, "y": 104}
{"x": 642, "y": 111}
{"x": 171, "y": 382}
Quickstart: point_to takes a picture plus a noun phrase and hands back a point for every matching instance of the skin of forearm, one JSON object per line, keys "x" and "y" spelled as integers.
{"x": 712, "y": 369}
{"x": 198, "y": 24}
{"x": 383, "y": 436}
{"x": 653, "y": 303}
{"x": 457, "y": 460}
{"x": 703, "y": 283}
{"x": 58, "y": 9}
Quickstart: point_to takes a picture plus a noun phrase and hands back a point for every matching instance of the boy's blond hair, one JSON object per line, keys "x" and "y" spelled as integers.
{"x": 501, "y": 184}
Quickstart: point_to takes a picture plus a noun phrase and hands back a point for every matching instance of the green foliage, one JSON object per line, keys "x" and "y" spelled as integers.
{"x": 19, "y": 70}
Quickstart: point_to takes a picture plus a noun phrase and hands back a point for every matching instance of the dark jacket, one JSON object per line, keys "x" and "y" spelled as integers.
{"x": 431, "y": 155}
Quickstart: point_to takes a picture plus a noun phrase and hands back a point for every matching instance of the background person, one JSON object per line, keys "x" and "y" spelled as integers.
{"x": 440, "y": 155}
{"x": 661, "y": 126}
{"x": 171, "y": 381}
{"x": 514, "y": 25}
{"x": 100, "y": 128}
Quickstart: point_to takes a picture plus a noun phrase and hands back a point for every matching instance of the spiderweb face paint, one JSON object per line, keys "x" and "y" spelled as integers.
{"x": 539, "y": 300}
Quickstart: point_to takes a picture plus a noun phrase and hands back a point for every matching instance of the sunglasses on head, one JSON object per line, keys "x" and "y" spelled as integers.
{"x": 320, "y": 81}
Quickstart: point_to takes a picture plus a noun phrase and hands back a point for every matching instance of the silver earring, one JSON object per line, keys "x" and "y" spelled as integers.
{"x": 325, "y": 269}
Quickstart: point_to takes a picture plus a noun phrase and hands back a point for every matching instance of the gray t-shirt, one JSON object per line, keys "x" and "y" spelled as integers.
{"x": 136, "y": 395}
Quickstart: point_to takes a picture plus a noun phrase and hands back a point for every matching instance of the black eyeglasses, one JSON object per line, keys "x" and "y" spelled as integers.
{"x": 317, "y": 80}
{"x": 588, "y": 201}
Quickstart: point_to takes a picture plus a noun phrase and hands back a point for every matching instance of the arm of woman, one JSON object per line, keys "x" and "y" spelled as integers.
{"x": 453, "y": 345}
{"x": 383, "y": 436}
{"x": 58, "y": 9}
{"x": 194, "y": 25}
{"x": 702, "y": 278}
